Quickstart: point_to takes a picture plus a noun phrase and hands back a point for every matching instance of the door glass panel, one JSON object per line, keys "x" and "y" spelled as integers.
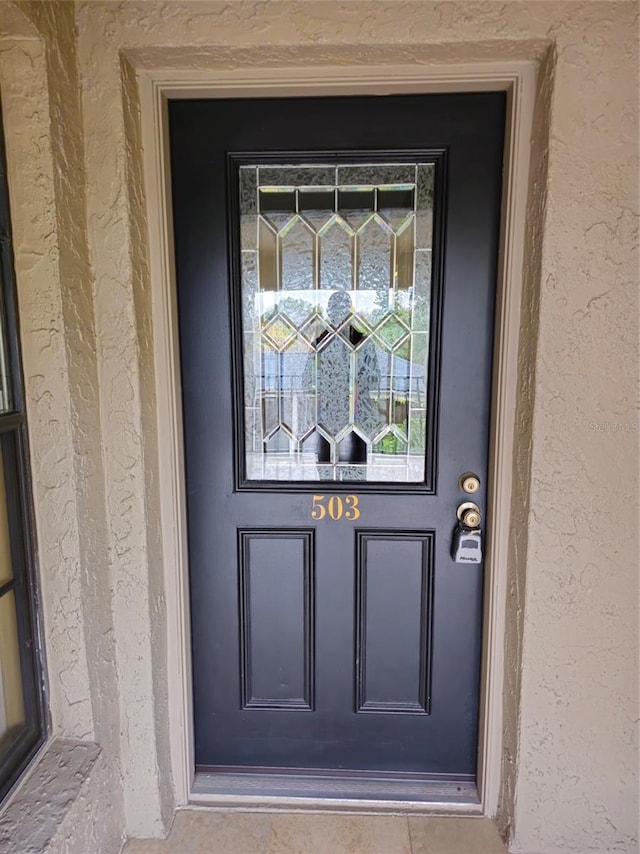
{"x": 6, "y": 401}
{"x": 12, "y": 717}
{"x": 336, "y": 286}
{"x": 6, "y": 568}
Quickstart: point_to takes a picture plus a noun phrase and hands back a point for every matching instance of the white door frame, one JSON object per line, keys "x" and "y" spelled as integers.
{"x": 156, "y": 85}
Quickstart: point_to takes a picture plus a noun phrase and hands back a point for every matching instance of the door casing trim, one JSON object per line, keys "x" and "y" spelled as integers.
{"x": 155, "y": 86}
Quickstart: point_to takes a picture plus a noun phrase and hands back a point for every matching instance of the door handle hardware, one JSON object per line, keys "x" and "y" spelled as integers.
{"x": 469, "y": 514}
{"x": 466, "y": 545}
{"x": 469, "y": 482}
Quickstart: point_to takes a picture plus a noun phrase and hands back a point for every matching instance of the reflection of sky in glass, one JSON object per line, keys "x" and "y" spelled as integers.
{"x": 362, "y": 301}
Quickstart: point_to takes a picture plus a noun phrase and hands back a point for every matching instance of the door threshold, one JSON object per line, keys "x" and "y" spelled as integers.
{"x": 338, "y": 791}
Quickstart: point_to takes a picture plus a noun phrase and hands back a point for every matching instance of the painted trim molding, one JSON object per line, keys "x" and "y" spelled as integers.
{"x": 156, "y": 86}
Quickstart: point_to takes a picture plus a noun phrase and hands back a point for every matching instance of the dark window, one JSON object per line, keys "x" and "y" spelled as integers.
{"x": 22, "y": 710}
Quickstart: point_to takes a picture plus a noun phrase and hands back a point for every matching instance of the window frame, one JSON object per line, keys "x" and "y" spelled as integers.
{"x": 14, "y": 446}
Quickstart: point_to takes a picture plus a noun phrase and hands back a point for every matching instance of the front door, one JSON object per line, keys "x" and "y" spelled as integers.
{"x": 336, "y": 266}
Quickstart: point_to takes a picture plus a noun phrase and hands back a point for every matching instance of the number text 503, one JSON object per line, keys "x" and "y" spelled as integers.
{"x": 335, "y": 507}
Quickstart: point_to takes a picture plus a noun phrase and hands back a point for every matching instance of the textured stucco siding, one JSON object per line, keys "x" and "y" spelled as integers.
{"x": 571, "y": 703}
{"x": 577, "y": 778}
{"x": 41, "y": 115}
{"x": 34, "y": 216}
{"x": 60, "y": 808}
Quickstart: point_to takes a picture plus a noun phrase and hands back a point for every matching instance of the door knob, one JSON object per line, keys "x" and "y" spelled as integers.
{"x": 466, "y": 546}
{"x": 469, "y": 514}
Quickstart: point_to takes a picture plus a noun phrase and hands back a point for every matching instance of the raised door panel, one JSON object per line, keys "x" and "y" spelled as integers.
{"x": 276, "y": 618}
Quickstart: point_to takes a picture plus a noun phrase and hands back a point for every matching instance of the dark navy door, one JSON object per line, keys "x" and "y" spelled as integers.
{"x": 336, "y": 266}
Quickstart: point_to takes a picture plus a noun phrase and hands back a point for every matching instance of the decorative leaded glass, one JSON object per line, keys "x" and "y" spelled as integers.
{"x": 336, "y": 285}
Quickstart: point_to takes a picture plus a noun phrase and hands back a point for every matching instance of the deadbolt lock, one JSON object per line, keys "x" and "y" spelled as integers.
{"x": 469, "y": 514}
{"x": 469, "y": 483}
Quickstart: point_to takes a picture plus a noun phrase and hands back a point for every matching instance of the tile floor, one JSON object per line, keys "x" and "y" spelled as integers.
{"x": 208, "y": 832}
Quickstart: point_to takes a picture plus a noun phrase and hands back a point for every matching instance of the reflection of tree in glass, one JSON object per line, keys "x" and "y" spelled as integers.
{"x": 381, "y": 305}
{"x": 296, "y": 309}
{"x": 416, "y": 319}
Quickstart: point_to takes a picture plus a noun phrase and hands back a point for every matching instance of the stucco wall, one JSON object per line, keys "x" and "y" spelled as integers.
{"x": 35, "y": 219}
{"x": 570, "y": 781}
{"x": 41, "y": 116}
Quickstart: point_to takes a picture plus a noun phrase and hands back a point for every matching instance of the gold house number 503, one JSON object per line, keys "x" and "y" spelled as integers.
{"x": 334, "y": 507}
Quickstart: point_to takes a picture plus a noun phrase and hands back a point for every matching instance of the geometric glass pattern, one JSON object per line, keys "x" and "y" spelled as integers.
{"x": 336, "y": 287}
